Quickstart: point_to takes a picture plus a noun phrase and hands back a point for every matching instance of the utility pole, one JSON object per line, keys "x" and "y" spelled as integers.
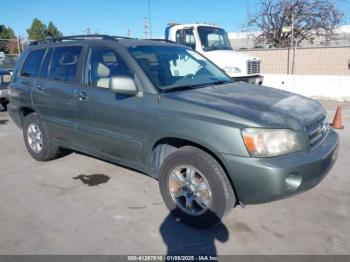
{"x": 149, "y": 17}
{"x": 129, "y": 33}
{"x": 146, "y": 26}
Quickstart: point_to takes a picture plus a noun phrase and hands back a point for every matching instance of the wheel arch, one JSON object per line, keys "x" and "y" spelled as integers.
{"x": 23, "y": 112}
{"x": 166, "y": 145}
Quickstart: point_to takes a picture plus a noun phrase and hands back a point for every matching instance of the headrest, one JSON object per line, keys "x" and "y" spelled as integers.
{"x": 102, "y": 70}
{"x": 68, "y": 59}
{"x": 109, "y": 58}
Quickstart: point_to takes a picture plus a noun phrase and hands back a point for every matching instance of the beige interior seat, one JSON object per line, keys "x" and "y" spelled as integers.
{"x": 103, "y": 75}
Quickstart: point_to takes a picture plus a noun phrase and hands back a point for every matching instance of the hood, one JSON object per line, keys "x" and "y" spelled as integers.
{"x": 265, "y": 106}
{"x": 224, "y": 57}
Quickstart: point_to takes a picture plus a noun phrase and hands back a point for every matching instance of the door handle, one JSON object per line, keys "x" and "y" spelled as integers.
{"x": 27, "y": 83}
{"x": 82, "y": 96}
{"x": 40, "y": 87}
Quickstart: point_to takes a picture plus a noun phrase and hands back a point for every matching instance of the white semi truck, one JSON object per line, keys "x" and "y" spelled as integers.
{"x": 212, "y": 42}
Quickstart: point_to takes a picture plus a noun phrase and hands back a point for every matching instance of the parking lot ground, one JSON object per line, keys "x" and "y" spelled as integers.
{"x": 82, "y": 205}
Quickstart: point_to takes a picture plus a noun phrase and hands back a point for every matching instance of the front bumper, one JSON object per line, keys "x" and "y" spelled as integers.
{"x": 259, "y": 180}
{"x": 254, "y": 79}
{"x": 3, "y": 94}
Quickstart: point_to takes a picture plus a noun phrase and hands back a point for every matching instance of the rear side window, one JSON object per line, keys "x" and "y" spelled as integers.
{"x": 46, "y": 63}
{"x": 32, "y": 63}
{"x": 64, "y": 63}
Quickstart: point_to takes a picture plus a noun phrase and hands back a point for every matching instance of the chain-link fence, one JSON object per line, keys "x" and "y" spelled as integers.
{"x": 7, "y": 61}
{"x": 9, "y": 51}
{"x": 304, "y": 61}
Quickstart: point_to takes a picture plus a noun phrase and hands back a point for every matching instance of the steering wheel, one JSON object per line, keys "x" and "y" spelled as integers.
{"x": 182, "y": 80}
{"x": 215, "y": 44}
{"x": 189, "y": 76}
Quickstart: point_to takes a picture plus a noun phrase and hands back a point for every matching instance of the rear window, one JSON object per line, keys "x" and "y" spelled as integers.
{"x": 64, "y": 63}
{"x": 32, "y": 63}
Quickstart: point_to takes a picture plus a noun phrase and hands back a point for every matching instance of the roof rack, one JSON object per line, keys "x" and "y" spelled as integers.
{"x": 78, "y": 37}
{"x": 160, "y": 40}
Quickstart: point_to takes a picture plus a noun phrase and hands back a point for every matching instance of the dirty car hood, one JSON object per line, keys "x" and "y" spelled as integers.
{"x": 265, "y": 106}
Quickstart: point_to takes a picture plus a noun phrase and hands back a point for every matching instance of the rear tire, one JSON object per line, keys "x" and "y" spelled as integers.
{"x": 37, "y": 139}
{"x": 195, "y": 203}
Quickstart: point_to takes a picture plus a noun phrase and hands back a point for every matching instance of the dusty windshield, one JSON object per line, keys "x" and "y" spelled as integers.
{"x": 213, "y": 38}
{"x": 174, "y": 67}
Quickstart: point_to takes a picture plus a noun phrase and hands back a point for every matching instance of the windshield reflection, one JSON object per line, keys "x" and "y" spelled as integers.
{"x": 213, "y": 38}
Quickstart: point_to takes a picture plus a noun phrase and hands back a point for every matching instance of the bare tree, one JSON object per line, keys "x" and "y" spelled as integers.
{"x": 310, "y": 18}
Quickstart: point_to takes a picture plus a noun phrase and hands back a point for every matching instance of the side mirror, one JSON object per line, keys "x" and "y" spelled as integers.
{"x": 124, "y": 85}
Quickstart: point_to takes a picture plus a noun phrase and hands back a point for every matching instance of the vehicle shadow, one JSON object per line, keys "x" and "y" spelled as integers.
{"x": 63, "y": 153}
{"x": 184, "y": 240}
{"x": 3, "y": 121}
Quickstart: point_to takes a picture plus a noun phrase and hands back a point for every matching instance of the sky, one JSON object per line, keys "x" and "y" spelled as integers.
{"x": 116, "y": 17}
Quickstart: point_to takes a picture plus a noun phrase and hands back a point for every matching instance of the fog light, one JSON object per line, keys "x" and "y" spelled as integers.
{"x": 292, "y": 181}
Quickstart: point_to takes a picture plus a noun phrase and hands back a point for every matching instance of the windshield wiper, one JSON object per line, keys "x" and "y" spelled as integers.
{"x": 180, "y": 88}
{"x": 217, "y": 48}
{"x": 190, "y": 87}
{"x": 220, "y": 82}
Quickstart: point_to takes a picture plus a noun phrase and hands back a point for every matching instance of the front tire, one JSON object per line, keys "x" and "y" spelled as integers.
{"x": 37, "y": 139}
{"x": 195, "y": 188}
{"x": 4, "y": 105}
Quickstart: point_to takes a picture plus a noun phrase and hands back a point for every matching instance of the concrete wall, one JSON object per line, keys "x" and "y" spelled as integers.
{"x": 325, "y": 87}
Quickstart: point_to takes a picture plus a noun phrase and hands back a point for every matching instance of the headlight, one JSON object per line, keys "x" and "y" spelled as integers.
{"x": 270, "y": 142}
{"x": 232, "y": 69}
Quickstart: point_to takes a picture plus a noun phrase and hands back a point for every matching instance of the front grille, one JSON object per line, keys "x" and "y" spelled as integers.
{"x": 317, "y": 131}
{"x": 253, "y": 67}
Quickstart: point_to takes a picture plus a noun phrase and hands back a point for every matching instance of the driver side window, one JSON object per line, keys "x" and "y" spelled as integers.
{"x": 104, "y": 63}
{"x": 186, "y": 37}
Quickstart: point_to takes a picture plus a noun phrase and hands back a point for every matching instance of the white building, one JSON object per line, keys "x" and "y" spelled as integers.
{"x": 246, "y": 40}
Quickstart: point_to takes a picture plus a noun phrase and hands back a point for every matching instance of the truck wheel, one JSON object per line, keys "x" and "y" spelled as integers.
{"x": 37, "y": 140}
{"x": 195, "y": 188}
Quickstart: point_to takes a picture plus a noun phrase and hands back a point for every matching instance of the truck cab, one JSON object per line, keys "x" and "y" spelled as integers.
{"x": 212, "y": 42}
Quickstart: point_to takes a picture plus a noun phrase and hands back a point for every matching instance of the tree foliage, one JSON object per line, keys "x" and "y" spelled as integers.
{"x": 39, "y": 31}
{"x": 52, "y": 30}
{"x": 311, "y": 18}
{"x": 5, "y": 33}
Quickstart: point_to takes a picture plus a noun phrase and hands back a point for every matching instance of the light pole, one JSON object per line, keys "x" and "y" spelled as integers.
{"x": 149, "y": 18}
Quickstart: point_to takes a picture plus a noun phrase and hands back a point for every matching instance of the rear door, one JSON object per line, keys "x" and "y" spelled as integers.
{"x": 27, "y": 77}
{"x": 108, "y": 124}
{"x": 53, "y": 93}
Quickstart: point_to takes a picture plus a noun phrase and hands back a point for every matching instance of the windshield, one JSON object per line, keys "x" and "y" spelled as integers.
{"x": 213, "y": 38}
{"x": 172, "y": 67}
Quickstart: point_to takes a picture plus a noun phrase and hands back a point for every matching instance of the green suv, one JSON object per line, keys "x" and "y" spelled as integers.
{"x": 165, "y": 110}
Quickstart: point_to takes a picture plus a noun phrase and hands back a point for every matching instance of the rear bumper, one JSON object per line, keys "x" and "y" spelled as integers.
{"x": 264, "y": 180}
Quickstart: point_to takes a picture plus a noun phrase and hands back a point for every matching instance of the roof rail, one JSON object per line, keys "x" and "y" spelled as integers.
{"x": 78, "y": 37}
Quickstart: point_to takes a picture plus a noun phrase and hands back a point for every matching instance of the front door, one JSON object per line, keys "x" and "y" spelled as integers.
{"x": 108, "y": 124}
